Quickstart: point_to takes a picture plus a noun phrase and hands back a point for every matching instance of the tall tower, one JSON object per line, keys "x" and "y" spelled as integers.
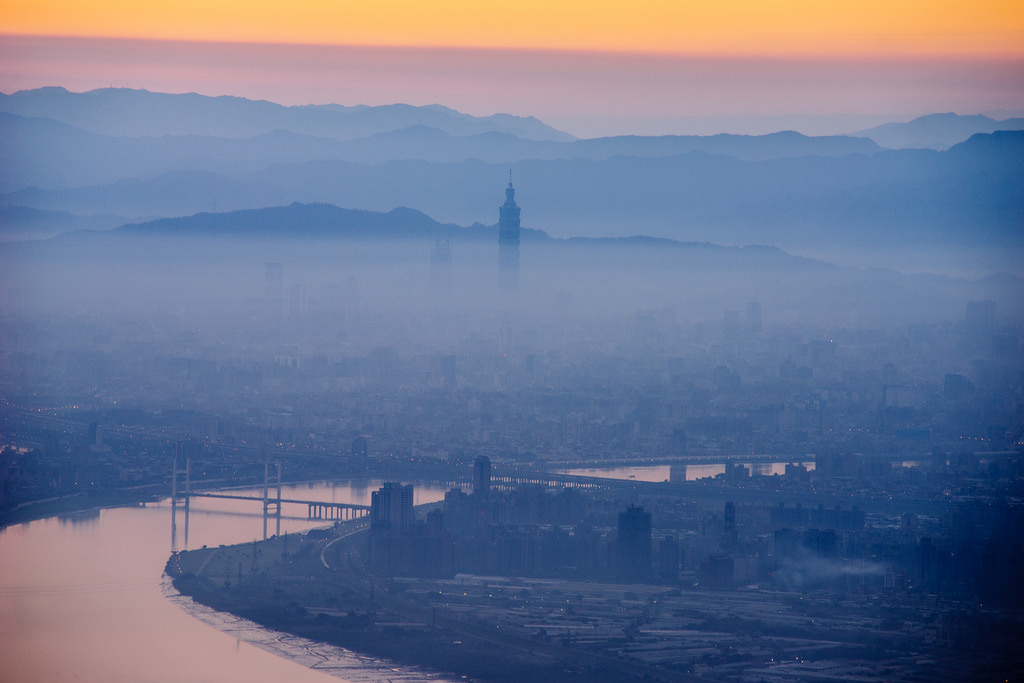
{"x": 508, "y": 239}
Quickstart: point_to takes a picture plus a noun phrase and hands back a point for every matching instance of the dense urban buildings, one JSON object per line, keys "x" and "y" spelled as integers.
{"x": 850, "y": 492}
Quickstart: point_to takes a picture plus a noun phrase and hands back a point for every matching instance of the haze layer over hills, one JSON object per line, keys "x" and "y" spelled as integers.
{"x": 100, "y": 159}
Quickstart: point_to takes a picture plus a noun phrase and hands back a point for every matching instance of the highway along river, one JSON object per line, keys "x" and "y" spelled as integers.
{"x": 83, "y": 598}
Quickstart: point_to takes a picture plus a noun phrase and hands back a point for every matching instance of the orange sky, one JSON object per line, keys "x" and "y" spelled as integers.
{"x": 715, "y": 27}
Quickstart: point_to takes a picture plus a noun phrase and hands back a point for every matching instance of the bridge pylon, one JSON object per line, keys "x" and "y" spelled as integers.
{"x": 183, "y": 496}
{"x": 268, "y": 502}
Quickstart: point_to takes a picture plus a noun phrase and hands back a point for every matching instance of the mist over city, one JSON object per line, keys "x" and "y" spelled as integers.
{"x": 381, "y": 390}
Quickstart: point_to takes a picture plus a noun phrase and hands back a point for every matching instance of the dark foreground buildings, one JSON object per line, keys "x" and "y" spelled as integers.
{"x": 633, "y": 544}
{"x": 391, "y": 508}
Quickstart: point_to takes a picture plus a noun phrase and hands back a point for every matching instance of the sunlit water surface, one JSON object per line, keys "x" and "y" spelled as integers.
{"x": 657, "y": 473}
{"x": 83, "y": 598}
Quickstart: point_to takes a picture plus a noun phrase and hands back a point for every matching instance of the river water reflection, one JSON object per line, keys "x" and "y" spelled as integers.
{"x": 657, "y": 473}
{"x": 82, "y": 598}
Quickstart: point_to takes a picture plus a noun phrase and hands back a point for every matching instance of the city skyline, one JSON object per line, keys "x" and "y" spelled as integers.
{"x": 287, "y": 393}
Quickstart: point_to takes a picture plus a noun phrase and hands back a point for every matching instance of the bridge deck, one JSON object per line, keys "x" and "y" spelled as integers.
{"x": 275, "y": 499}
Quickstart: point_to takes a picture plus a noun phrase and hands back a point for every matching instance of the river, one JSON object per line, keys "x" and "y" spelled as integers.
{"x": 83, "y": 598}
{"x": 690, "y": 472}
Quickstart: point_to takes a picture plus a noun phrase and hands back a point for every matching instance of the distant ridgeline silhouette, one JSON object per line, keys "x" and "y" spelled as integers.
{"x": 892, "y": 198}
{"x": 317, "y": 220}
{"x": 132, "y": 112}
{"x": 313, "y": 222}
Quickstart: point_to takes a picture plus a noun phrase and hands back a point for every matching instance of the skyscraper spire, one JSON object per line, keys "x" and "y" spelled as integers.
{"x": 508, "y": 239}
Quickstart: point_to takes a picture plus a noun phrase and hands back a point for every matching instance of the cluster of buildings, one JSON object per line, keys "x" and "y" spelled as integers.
{"x": 712, "y": 534}
{"x": 526, "y": 530}
{"x": 729, "y": 583}
{"x": 608, "y": 395}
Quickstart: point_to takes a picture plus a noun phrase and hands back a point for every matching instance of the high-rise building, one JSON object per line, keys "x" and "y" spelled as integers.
{"x": 678, "y": 441}
{"x": 482, "y": 476}
{"x": 95, "y": 434}
{"x": 668, "y": 559}
{"x": 391, "y": 508}
{"x": 508, "y": 240}
{"x": 730, "y": 538}
{"x": 633, "y": 544}
{"x": 51, "y": 444}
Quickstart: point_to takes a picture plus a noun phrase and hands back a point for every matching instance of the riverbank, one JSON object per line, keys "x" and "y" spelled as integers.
{"x": 95, "y": 498}
{"x": 313, "y": 585}
{"x": 78, "y": 502}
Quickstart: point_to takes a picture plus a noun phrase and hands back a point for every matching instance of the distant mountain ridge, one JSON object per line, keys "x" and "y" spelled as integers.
{"x": 138, "y": 113}
{"x": 967, "y": 195}
{"x": 936, "y": 131}
{"x": 329, "y": 223}
{"x": 308, "y": 221}
{"x": 153, "y": 155}
{"x": 26, "y": 223}
{"x": 48, "y": 153}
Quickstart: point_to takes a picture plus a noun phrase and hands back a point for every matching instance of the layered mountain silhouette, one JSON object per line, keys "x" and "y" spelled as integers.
{"x": 328, "y": 222}
{"x": 309, "y": 221}
{"x": 136, "y": 113}
{"x": 45, "y": 152}
{"x": 966, "y": 195}
{"x": 399, "y": 232}
{"x": 112, "y": 156}
{"x": 937, "y": 131}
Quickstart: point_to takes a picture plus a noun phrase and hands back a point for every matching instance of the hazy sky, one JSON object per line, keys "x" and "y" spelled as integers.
{"x": 590, "y": 68}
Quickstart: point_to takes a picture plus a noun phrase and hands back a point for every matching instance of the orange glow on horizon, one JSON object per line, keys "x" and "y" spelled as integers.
{"x": 698, "y": 27}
